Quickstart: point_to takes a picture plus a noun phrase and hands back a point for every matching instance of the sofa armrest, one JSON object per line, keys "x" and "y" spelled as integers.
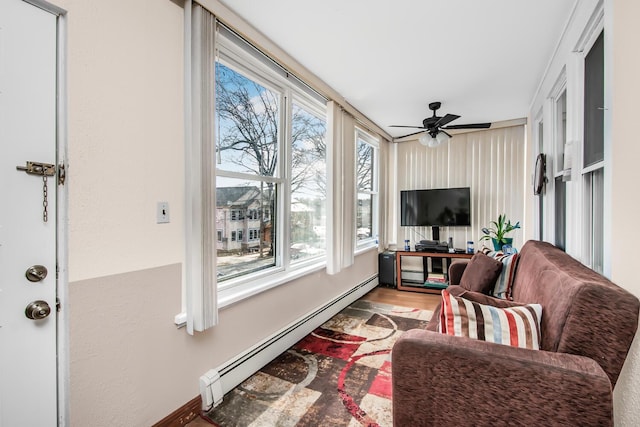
{"x": 455, "y": 271}
{"x": 444, "y": 380}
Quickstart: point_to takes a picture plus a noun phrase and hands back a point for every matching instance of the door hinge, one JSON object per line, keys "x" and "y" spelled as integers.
{"x": 58, "y": 305}
{"x": 62, "y": 174}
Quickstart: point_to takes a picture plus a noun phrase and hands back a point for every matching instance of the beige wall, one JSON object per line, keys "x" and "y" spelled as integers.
{"x": 125, "y": 78}
{"x": 625, "y": 234}
{"x": 129, "y": 365}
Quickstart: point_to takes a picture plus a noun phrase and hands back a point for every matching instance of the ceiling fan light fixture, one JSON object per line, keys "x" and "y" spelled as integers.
{"x": 433, "y": 141}
{"x": 425, "y": 139}
{"x": 442, "y": 137}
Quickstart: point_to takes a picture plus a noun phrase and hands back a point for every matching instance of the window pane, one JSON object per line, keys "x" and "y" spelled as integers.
{"x": 597, "y": 192}
{"x": 247, "y": 118}
{"x": 560, "y": 206}
{"x": 237, "y": 255}
{"x": 364, "y": 217}
{"x": 308, "y": 184}
{"x": 364, "y": 157}
{"x": 561, "y": 137}
{"x": 594, "y": 104}
{"x": 541, "y": 195}
{"x": 593, "y": 218}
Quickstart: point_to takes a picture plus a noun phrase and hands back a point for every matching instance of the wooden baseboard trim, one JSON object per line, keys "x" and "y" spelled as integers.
{"x": 183, "y": 415}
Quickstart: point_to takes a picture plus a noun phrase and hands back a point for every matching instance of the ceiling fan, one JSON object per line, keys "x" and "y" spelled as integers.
{"x": 434, "y": 127}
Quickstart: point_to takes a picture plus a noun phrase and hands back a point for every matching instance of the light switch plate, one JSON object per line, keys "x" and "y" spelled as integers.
{"x": 163, "y": 212}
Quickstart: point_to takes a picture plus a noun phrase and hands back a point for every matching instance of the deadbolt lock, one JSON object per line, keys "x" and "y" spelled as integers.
{"x": 36, "y": 273}
{"x": 37, "y": 310}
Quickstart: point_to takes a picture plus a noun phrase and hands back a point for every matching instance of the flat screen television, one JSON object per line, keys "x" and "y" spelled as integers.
{"x": 449, "y": 207}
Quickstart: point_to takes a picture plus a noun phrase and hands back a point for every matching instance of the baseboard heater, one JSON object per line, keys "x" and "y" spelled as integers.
{"x": 216, "y": 382}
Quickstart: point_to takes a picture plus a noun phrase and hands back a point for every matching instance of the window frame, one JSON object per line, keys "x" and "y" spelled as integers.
{"x": 570, "y": 77}
{"x": 314, "y": 108}
{"x": 557, "y": 164}
{"x": 593, "y": 253}
{"x": 246, "y": 63}
{"x": 539, "y": 201}
{"x": 374, "y": 142}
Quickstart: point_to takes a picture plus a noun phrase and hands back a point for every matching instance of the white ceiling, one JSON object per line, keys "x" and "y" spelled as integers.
{"x": 483, "y": 59}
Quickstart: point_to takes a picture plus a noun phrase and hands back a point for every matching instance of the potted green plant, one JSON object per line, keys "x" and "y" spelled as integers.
{"x": 499, "y": 230}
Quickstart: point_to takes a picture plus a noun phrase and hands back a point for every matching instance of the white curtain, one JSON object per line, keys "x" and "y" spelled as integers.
{"x": 491, "y": 162}
{"x": 340, "y": 188}
{"x": 200, "y": 264}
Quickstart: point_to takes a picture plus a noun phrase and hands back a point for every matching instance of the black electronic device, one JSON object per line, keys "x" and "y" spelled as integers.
{"x": 440, "y": 248}
{"x": 429, "y": 242}
{"x": 387, "y": 269}
{"x": 448, "y": 207}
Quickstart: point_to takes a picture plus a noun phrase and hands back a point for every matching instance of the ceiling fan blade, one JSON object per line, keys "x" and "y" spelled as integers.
{"x": 470, "y": 126}
{"x": 441, "y": 130}
{"x": 446, "y": 119}
{"x": 410, "y": 127}
{"x": 410, "y": 134}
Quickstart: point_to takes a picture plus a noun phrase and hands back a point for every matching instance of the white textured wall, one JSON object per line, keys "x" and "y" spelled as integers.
{"x": 125, "y": 77}
{"x": 625, "y": 235}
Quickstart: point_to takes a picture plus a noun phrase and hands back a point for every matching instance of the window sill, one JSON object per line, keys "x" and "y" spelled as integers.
{"x": 239, "y": 292}
{"x": 366, "y": 247}
{"x": 232, "y": 295}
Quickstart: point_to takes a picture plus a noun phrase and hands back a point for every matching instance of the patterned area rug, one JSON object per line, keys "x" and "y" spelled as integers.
{"x": 339, "y": 375}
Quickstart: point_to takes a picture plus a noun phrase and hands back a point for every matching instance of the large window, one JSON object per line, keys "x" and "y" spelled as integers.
{"x": 593, "y": 155}
{"x": 366, "y": 188}
{"x": 308, "y": 182}
{"x": 270, "y": 166}
{"x": 559, "y": 177}
{"x": 541, "y": 195}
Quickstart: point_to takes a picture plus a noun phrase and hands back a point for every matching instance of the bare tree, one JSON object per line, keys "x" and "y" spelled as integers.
{"x": 308, "y": 151}
{"x": 248, "y": 119}
{"x": 364, "y": 171}
{"x": 251, "y": 116}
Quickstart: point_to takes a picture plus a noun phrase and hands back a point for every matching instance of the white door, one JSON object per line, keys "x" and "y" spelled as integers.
{"x": 27, "y": 134}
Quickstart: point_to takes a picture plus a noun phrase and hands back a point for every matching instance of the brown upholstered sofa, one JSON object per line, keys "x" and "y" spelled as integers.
{"x": 587, "y": 326}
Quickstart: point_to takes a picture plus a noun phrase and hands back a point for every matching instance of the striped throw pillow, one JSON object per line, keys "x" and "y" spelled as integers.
{"x": 518, "y": 326}
{"x": 502, "y": 288}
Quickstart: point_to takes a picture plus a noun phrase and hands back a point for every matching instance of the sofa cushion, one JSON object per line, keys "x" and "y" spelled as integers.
{"x": 518, "y": 325}
{"x": 504, "y": 282}
{"x": 481, "y": 273}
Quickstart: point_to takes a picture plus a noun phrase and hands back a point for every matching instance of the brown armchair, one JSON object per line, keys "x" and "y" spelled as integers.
{"x": 587, "y": 327}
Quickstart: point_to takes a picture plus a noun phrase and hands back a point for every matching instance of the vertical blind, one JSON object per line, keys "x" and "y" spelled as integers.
{"x": 200, "y": 271}
{"x": 490, "y": 162}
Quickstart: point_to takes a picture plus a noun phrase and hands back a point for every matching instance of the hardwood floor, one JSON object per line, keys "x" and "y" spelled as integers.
{"x": 403, "y": 298}
{"x": 383, "y": 295}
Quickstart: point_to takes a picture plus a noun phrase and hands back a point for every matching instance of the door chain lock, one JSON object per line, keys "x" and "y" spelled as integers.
{"x": 44, "y": 170}
{"x": 36, "y": 168}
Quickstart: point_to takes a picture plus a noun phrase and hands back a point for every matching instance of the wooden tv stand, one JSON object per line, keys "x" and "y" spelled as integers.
{"x": 418, "y": 286}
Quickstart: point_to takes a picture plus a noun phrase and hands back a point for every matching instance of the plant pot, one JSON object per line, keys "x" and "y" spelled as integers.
{"x": 498, "y": 245}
